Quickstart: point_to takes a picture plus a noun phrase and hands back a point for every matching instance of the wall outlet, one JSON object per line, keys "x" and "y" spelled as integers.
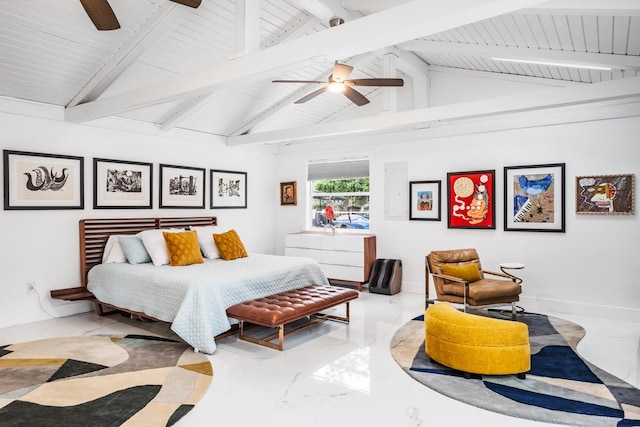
{"x": 30, "y": 287}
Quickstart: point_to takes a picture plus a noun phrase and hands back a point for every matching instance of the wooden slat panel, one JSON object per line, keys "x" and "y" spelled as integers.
{"x": 94, "y": 234}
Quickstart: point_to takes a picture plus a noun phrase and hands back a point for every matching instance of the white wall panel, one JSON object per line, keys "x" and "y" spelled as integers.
{"x": 42, "y": 246}
{"x": 565, "y": 272}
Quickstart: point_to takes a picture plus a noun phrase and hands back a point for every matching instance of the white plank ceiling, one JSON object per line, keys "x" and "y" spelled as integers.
{"x": 210, "y": 69}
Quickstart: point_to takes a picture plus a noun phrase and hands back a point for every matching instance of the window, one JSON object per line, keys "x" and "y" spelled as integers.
{"x": 344, "y": 185}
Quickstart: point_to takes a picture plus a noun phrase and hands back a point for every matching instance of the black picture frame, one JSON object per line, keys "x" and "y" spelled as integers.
{"x": 425, "y": 200}
{"x": 228, "y": 189}
{"x": 534, "y": 198}
{"x": 471, "y": 200}
{"x": 122, "y": 184}
{"x": 182, "y": 187}
{"x": 34, "y": 181}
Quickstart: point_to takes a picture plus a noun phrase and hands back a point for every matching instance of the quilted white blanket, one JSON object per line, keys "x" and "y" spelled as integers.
{"x": 195, "y": 298}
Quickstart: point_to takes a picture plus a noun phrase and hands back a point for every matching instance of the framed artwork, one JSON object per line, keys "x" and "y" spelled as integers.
{"x": 534, "y": 198}
{"x": 288, "y": 193}
{"x": 424, "y": 200}
{"x": 471, "y": 201}
{"x": 228, "y": 189}
{"x": 42, "y": 181}
{"x": 119, "y": 184}
{"x": 181, "y": 187}
{"x": 605, "y": 194}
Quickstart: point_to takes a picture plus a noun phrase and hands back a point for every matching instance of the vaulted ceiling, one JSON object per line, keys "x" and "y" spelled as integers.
{"x": 210, "y": 69}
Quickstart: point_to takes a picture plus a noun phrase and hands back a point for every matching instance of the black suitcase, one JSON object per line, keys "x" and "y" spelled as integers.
{"x": 386, "y": 276}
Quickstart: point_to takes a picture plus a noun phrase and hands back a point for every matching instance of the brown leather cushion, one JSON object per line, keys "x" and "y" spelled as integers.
{"x": 485, "y": 289}
{"x": 289, "y": 306}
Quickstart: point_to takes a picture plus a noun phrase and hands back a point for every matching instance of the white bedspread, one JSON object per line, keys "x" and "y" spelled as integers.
{"x": 195, "y": 298}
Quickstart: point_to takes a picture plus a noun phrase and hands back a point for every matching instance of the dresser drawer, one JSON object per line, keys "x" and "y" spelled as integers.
{"x": 354, "y": 259}
{"x": 343, "y": 272}
{"x": 314, "y": 254}
{"x": 302, "y": 240}
{"x": 343, "y": 243}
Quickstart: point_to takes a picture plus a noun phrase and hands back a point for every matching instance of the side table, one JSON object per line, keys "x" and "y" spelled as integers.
{"x": 512, "y": 266}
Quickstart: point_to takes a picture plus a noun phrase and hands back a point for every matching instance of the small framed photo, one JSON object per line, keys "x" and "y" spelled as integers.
{"x": 42, "y": 181}
{"x": 605, "y": 194}
{"x": 119, "y": 184}
{"x": 288, "y": 193}
{"x": 424, "y": 200}
{"x": 228, "y": 189}
{"x": 534, "y": 198}
{"x": 471, "y": 199}
{"x": 182, "y": 187}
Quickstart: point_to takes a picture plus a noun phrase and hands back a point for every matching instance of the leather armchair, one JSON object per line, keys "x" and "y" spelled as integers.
{"x": 482, "y": 291}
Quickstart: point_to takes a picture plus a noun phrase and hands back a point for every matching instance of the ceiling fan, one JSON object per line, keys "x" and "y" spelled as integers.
{"x": 338, "y": 82}
{"x": 103, "y": 17}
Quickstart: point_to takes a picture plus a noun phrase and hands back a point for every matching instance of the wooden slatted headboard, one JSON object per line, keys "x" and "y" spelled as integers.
{"x": 94, "y": 234}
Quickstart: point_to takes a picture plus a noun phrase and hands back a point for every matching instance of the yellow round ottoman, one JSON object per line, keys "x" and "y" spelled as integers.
{"x": 476, "y": 344}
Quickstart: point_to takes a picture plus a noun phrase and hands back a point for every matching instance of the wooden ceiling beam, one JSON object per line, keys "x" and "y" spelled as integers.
{"x": 538, "y": 100}
{"x": 408, "y": 21}
{"x": 524, "y": 53}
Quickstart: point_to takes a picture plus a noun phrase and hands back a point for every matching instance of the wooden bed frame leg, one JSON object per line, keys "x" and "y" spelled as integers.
{"x": 99, "y": 309}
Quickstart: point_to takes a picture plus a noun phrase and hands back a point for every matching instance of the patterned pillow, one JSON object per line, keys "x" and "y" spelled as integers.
{"x": 134, "y": 250}
{"x": 230, "y": 245}
{"x": 183, "y": 248}
{"x": 467, "y": 272}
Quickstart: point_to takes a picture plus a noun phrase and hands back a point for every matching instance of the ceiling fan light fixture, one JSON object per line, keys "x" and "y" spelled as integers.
{"x": 335, "y": 87}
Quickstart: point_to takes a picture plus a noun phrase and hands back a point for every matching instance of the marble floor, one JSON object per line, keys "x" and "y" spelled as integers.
{"x": 337, "y": 375}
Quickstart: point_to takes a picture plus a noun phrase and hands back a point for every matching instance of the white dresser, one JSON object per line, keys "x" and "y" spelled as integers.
{"x": 343, "y": 257}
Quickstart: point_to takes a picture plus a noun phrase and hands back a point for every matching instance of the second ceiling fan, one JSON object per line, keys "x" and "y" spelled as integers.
{"x": 338, "y": 82}
{"x": 104, "y": 19}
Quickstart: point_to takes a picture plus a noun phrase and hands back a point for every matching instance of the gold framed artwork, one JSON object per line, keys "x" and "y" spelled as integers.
{"x": 288, "y": 193}
{"x": 605, "y": 194}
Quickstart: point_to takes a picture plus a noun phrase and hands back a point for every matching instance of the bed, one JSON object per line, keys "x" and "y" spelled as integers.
{"x": 192, "y": 298}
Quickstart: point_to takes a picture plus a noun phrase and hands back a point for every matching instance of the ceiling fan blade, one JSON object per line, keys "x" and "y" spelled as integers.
{"x": 355, "y": 96}
{"x": 101, "y": 14}
{"x": 310, "y": 96}
{"x": 375, "y": 82}
{"x": 191, "y": 3}
{"x": 341, "y": 72}
{"x": 297, "y": 81}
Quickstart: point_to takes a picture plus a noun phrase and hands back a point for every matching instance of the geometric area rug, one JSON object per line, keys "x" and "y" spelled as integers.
{"x": 560, "y": 388}
{"x": 95, "y": 380}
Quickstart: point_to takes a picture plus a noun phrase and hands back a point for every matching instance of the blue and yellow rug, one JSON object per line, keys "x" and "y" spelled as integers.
{"x": 560, "y": 388}
{"x": 100, "y": 381}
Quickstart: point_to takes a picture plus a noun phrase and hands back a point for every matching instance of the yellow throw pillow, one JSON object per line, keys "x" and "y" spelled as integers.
{"x": 183, "y": 248}
{"x": 467, "y": 272}
{"x": 230, "y": 245}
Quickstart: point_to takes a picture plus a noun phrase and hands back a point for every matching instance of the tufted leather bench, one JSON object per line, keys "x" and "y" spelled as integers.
{"x": 277, "y": 310}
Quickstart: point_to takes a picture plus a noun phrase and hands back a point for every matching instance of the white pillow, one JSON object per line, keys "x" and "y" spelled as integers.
{"x": 153, "y": 241}
{"x": 207, "y": 244}
{"x": 113, "y": 251}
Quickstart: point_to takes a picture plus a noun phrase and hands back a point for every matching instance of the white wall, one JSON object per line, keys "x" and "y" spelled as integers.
{"x": 42, "y": 246}
{"x": 589, "y": 267}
